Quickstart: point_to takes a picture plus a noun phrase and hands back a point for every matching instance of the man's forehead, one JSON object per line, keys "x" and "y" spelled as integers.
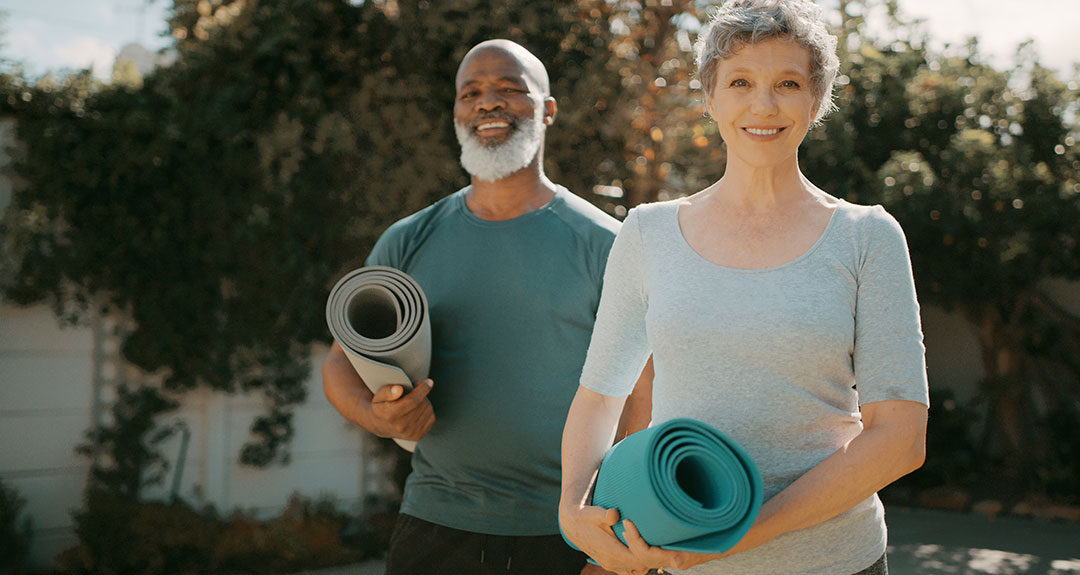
{"x": 502, "y": 60}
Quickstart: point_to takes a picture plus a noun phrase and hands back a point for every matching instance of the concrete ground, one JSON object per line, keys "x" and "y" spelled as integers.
{"x": 924, "y": 542}
{"x": 941, "y": 542}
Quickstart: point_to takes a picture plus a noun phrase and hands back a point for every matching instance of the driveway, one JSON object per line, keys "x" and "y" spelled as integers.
{"x": 925, "y": 542}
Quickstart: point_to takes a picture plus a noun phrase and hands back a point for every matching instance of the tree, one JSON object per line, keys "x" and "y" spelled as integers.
{"x": 213, "y": 206}
{"x": 981, "y": 169}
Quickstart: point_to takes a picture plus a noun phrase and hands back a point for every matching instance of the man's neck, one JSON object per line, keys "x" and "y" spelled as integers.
{"x": 517, "y": 194}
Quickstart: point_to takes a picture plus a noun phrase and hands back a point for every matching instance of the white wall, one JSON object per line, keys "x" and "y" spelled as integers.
{"x": 328, "y": 455}
{"x": 45, "y": 406}
{"x": 55, "y": 381}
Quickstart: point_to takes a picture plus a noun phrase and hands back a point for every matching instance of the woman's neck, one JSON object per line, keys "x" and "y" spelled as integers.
{"x": 751, "y": 189}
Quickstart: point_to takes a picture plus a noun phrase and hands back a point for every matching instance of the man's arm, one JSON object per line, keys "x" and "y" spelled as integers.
{"x": 387, "y": 412}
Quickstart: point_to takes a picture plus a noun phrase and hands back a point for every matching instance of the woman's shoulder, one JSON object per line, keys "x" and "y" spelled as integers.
{"x": 651, "y": 208}
{"x": 865, "y": 217}
{"x": 652, "y": 213}
{"x": 869, "y": 228}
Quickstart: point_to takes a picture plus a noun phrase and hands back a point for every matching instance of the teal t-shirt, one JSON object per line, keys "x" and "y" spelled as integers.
{"x": 512, "y": 305}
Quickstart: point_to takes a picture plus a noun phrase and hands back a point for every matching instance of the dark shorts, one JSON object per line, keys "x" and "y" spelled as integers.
{"x": 418, "y": 547}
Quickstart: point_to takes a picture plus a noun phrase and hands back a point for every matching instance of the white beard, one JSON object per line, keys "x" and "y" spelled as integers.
{"x": 491, "y": 163}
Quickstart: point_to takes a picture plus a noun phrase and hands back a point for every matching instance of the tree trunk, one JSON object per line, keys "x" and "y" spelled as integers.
{"x": 1007, "y": 430}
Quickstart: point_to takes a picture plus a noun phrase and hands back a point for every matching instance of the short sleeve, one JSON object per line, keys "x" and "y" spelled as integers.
{"x": 619, "y": 347}
{"x": 390, "y": 248}
{"x": 889, "y": 356}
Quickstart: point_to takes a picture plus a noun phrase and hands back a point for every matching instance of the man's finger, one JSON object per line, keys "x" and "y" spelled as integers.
{"x": 387, "y": 393}
{"x": 419, "y": 393}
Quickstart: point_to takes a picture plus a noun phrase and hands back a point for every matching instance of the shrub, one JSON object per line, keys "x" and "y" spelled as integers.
{"x": 14, "y": 534}
{"x": 119, "y": 536}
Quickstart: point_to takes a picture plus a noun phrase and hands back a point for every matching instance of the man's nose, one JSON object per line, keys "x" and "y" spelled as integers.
{"x": 490, "y": 101}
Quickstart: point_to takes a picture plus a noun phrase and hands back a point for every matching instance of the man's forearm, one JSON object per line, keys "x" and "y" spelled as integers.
{"x": 346, "y": 391}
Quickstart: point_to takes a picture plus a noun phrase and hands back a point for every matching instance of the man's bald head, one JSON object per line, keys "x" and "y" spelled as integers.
{"x": 531, "y": 65}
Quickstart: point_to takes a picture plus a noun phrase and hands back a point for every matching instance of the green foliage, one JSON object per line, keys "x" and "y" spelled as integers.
{"x": 982, "y": 169}
{"x": 119, "y": 536}
{"x": 216, "y": 202}
{"x": 15, "y": 532}
{"x": 950, "y": 448}
{"x": 124, "y": 453}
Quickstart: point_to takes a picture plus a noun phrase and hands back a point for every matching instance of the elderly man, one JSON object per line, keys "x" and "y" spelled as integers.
{"x": 512, "y": 266}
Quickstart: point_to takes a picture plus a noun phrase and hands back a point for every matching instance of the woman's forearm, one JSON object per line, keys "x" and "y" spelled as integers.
{"x": 589, "y": 431}
{"x": 891, "y": 445}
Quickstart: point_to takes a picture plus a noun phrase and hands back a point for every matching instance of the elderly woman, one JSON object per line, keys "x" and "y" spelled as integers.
{"x": 780, "y": 314}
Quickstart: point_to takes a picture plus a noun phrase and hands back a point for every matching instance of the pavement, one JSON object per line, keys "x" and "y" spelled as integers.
{"x": 948, "y": 543}
{"x": 927, "y": 542}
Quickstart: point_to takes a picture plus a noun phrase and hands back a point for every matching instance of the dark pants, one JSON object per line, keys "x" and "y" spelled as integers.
{"x": 880, "y": 567}
{"x": 418, "y": 547}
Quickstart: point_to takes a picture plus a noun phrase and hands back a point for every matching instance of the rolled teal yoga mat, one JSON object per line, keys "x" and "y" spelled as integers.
{"x": 685, "y": 485}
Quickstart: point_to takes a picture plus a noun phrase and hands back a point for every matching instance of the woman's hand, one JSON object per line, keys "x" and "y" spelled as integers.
{"x": 589, "y": 528}
{"x": 655, "y": 557}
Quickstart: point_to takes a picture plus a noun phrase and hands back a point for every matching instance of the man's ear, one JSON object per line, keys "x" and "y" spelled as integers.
{"x": 550, "y": 110}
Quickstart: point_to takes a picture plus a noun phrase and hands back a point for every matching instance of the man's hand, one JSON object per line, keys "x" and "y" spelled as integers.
{"x": 402, "y": 417}
{"x": 389, "y": 413}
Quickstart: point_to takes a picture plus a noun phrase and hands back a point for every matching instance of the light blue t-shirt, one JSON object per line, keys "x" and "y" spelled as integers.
{"x": 512, "y": 305}
{"x": 778, "y": 359}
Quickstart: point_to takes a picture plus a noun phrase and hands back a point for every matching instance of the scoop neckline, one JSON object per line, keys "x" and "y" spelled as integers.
{"x": 472, "y": 218}
{"x": 806, "y": 254}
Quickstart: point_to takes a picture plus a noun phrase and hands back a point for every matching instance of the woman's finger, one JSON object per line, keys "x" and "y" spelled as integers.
{"x": 649, "y": 555}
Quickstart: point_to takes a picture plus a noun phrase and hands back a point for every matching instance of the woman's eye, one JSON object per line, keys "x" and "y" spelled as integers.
{"x": 789, "y": 84}
{"x": 739, "y": 83}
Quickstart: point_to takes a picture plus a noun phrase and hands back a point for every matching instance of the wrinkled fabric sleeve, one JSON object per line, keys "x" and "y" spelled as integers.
{"x": 889, "y": 355}
{"x": 619, "y": 347}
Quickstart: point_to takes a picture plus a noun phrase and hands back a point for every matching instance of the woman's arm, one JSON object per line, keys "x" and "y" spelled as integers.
{"x": 637, "y": 412}
{"x": 891, "y": 445}
{"x": 589, "y": 431}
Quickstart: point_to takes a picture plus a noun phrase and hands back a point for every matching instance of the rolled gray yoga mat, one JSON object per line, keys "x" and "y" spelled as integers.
{"x": 379, "y": 316}
{"x": 684, "y": 484}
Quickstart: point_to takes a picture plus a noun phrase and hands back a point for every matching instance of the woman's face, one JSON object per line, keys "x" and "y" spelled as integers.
{"x": 762, "y": 102}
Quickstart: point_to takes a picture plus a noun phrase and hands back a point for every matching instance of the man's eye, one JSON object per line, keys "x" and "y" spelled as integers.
{"x": 466, "y": 95}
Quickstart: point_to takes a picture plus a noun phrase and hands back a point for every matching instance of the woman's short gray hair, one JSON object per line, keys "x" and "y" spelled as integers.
{"x": 741, "y": 22}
